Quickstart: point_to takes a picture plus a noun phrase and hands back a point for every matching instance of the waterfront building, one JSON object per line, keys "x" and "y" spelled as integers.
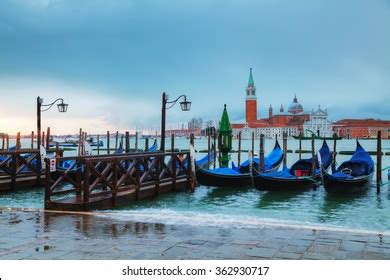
{"x": 361, "y": 128}
{"x": 275, "y": 124}
{"x": 318, "y": 124}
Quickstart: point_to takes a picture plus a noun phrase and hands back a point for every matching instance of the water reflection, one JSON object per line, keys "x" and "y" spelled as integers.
{"x": 334, "y": 206}
{"x": 93, "y": 226}
{"x": 276, "y": 199}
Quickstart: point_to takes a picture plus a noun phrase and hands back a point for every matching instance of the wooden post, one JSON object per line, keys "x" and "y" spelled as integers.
{"x": 108, "y": 142}
{"x": 98, "y": 144}
{"x": 300, "y": 145}
{"x": 116, "y": 140}
{"x": 48, "y": 138}
{"x": 127, "y": 142}
{"x": 173, "y": 161}
{"x": 215, "y": 149}
{"x": 239, "y": 149}
{"x": 2, "y": 141}
{"x": 379, "y": 161}
{"x": 284, "y": 149}
{"x": 219, "y": 151}
{"x": 79, "y": 143}
{"x": 313, "y": 158}
{"x": 146, "y": 144}
{"x": 261, "y": 153}
{"x": 7, "y": 142}
{"x": 193, "y": 178}
{"x": 136, "y": 141}
{"x": 334, "y": 151}
{"x": 47, "y": 180}
{"x": 208, "y": 150}
{"x": 43, "y": 139}
{"x": 58, "y": 150}
{"x": 253, "y": 145}
{"x": 18, "y": 145}
{"x": 32, "y": 140}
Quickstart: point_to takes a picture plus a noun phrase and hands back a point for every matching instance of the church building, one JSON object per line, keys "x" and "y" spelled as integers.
{"x": 290, "y": 121}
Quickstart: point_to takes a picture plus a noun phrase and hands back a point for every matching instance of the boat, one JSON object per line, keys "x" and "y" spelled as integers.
{"x": 298, "y": 177}
{"x": 352, "y": 176}
{"x": 235, "y": 177}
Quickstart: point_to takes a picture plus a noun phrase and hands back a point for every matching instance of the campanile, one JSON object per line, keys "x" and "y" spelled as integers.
{"x": 251, "y": 100}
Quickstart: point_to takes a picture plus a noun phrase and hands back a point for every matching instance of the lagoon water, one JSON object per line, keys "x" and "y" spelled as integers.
{"x": 247, "y": 207}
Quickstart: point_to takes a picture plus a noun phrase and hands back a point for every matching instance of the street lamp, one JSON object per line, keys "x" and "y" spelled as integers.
{"x": 62, "y": 108}
{"x": 185, "y": 106}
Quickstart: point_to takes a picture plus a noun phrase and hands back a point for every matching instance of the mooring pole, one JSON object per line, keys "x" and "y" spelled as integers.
{"x": 208, "y": 150}
{"x": 215, "y": 149}
{"x": 313, "y": 160}
{"x": 7, "y": 138}
{"x": 108, "y": 142}
{"x": 18, "y": 145}
{"x": 173, "y": 162}
{"x": 300, "y": 145}
{"x": 146, "y": 144}
{"x": 127, "y": 140}
{"x": 32, "y": 140}
{"x": 48, "y": 138}
{"x": 43, "y": 138}
{"x": 2, "y": 142}
{"x": 261, "y": 153}
{"x": 192, "y": 168}
{"x": 284, "y": 136}
{"x": 219, "y": 150}
{"x": 253, "y": 145}
{"x": 239, "y": 149}
{"x": 379, "y": 161}
{"x": 334, "y": 151}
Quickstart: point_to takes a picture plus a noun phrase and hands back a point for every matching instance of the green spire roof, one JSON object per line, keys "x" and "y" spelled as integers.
{"x": 250, "y": 81}
{"x": 224, "y": 124}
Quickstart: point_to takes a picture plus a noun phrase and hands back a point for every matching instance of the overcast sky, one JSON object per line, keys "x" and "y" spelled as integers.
{"x": 111, "y": 60}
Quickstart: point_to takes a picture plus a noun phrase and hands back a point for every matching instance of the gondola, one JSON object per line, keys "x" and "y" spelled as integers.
{"x": 235, "y": 177}
{"x": 298, "y": 177}
{"x": 352, "y": 176}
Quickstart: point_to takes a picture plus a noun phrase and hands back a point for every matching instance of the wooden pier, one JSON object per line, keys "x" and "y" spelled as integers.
{"x": 107, "y": 181}
{"x": 18, "y": 169}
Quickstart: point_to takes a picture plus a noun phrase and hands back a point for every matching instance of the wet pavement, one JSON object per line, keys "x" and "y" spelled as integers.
{"x": 48, "y": 235}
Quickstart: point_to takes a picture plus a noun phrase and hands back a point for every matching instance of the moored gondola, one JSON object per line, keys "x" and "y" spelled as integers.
{"x": 234, "y": 177}
{"x": 351, "y": 176}
{"x": 299, "y": 176}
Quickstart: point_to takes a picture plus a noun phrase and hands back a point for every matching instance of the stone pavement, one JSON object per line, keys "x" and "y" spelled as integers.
{"x": 47, "y": 235}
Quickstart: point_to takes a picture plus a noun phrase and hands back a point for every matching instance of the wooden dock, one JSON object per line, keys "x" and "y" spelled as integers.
{"x": 18, "y": 169}
{"x": 107, "y": 181}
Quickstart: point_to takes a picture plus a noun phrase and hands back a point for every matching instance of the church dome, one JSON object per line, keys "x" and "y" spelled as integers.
{"x": 295, "y": 107}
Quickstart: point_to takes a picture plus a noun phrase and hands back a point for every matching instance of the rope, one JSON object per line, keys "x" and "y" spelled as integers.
{"x": 383, "y": 169}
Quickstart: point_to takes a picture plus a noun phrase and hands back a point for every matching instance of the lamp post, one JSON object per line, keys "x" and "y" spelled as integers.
{"x": 62, "y": 108}
{"x": 185, "y": 106}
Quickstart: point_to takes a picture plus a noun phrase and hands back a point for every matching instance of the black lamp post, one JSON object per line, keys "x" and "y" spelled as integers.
{"x": 62, "y": 108}
{"x": 185, "y": 106}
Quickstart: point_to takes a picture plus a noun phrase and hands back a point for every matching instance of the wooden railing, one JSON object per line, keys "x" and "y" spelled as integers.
{"x": 24, "y": 162}
{"x": 88, "y": 177}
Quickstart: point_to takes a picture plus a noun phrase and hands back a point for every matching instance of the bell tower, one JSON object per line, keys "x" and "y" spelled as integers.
{"x": 251, "y": 100}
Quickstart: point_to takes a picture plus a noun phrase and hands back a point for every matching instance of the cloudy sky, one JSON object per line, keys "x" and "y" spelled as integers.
{"x": 111, "y": 60}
